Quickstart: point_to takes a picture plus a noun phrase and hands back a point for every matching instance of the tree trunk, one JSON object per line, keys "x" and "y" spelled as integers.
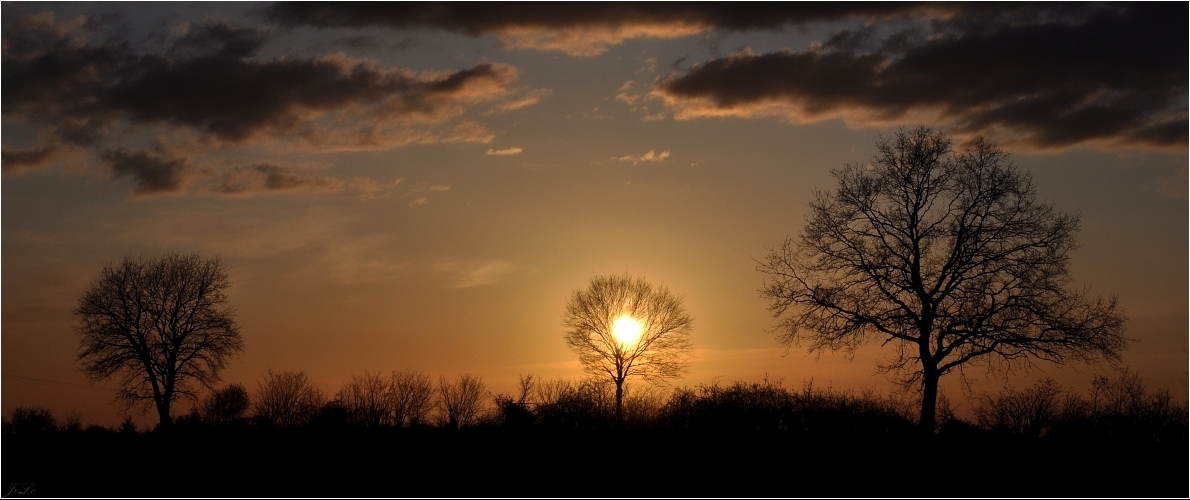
{"x": 163, "y": 413}
{"x": 929, "y": 399}
{"x": 620, "y": 403}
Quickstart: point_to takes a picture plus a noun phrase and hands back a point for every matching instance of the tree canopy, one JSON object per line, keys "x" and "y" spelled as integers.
{"x": 620, "y": 326}
{"x": 945, "y": 255}
{"x": 161, "y": 327}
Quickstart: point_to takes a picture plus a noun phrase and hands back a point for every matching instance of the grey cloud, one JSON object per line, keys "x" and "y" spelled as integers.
{"x": 1117, "y": 75}
{"x": 153, "y": 173}
{"x": 585, "y": 29}
{"x": 263, "y": 178}
{"x": 16, "y": 160}
{"x": 207, "y": 83}
{"x": 495, "y": 17}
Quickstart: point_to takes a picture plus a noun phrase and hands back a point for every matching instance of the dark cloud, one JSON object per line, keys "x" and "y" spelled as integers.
{"x": 1117, "y": 75}
{"x": 209, "y": 82}
{"x": 359, "y": 42}
{"x": 83, "y": 87}
{"x": 586, "y": 29}
{"x": 497, "y": 17}
{"x": 264, "y": 178}
{"x": 153, "y": 173}
{"x": 219, "y": 40}
{"x": 16, "y": 160}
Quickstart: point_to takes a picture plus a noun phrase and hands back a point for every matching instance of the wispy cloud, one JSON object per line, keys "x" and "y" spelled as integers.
{"x": 504, "y": 152}
{"x": 625, "y": 94}
{"x": 476, "y": 273}
{"x": 651, "y": 155}
{"x": 650, "y": 66}
{"x": 530, "y": 99}
{"x": 368, "y": 189}
{"x": 266, "y": 178}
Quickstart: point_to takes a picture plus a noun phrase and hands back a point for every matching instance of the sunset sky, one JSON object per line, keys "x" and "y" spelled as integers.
{"x": 423, "y": 185}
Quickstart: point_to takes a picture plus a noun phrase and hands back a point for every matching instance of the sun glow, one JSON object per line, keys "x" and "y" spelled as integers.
{"x": 626, "y": 330}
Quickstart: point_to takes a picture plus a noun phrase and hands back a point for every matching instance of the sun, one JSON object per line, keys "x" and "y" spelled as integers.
{"x": 626, "y": 330}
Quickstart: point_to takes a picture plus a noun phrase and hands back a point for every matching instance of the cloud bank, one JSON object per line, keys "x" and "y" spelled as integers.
{"x": 582, "y": 29}
{"x": 1116, "y": 76}
{"x": 80, "y": 86}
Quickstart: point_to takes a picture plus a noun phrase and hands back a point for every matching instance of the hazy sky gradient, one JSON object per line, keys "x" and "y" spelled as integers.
{"x": 421, "y": 186}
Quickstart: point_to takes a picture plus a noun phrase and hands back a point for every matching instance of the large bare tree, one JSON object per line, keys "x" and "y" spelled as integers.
{"x": 945, "y": 255}
{"x": 162, "y": 327}
{"x": 622, "y": 326}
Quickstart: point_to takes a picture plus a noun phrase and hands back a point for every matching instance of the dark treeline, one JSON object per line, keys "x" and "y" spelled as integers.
{"x": 400, "y": 434}
{"x": 1121, "y": 407}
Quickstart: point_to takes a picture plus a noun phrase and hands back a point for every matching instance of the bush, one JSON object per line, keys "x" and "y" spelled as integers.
{"x": 33, "y": 419}
{"x": 588, "y": 404}
{"x": 1118, "y": 407}
{"x": 226, "y": 406}
{"x": 128, "y": 426}
{"x": 767, "y": 406}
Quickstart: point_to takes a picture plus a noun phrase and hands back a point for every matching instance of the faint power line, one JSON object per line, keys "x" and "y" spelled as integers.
{"x": 56, "y": 383}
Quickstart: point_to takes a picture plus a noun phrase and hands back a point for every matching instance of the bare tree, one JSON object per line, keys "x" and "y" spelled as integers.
{"x": 160, "y": 326}
{"x": 461, "y": 401}
{"x": 226, "y": 406}
{"x": 287, "y": 399}
{"x": 413, "y": 398}
{"x": 622, "y": 326}
{"x": 369, "y": 400}
{"x": 947, "y": 256}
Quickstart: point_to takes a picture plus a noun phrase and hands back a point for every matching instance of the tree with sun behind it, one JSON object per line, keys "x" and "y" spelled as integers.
{"x": 621, "y": 326}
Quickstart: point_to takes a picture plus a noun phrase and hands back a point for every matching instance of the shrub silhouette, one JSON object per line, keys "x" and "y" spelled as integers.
{"x": 128, "y": 426}
{"x": 226, "y": 406}
{"x": 73, "y": 422}
{"x": 588, "y": 404}
{"x": 767, "y": 406}
{"x": 1120, "y": 407}
{"x": 33, "y": 419}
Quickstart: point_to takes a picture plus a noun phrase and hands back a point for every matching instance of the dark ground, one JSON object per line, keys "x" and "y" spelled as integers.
{"x": 495, "y": 462}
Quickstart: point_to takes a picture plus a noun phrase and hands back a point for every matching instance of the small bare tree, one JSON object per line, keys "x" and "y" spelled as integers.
{"x": 287, "y": 399}
{"x": 159, "y": 326}
{"x": 461, "y": 402}
{"x": 413, "y": 398}
{"x": 945, "y": 255}
{"x": 369, "y": 400}
{"x": 622, "y": 326}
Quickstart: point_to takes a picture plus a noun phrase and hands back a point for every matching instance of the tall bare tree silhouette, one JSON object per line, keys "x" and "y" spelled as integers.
{"x": 657, "y": 345}
{"x": 945, "y": 255}
{"x": 159, "y": 326}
